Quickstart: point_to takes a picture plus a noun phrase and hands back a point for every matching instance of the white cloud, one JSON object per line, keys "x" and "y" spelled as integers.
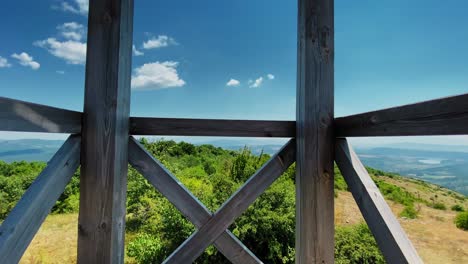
{"x": 4, "y": 63}
{"x": 137, "y": 52}
{"x": 26, "y": 60}
{"x": 270, "y": 76}
{"x": 73, "y": 52}
{"x": 233, "y": 82}
{"x": 72, "y": 30}
{"x": 160, "y": 42}
{"x": 156, "y": 75}
{"x": 72, "y": 49}
{"x": 75, "y": 6}
{"x": 256, "y": 83}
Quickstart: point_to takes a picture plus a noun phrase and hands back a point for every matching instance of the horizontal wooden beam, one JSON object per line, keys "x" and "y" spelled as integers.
{"x": 22, "y": 116}
{"x": 20, "y": 226}
{"x": 235, "y": 206}
{"x": 211, "y": 127}
{"x": 391, "y": 238}
{"x": 169, "y": 186}
{"x": 445, "y": 116}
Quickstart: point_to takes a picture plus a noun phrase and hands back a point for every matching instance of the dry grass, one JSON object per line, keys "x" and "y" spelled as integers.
{"x": 433, "y": 233}
{"x": 55, "y": 242}
{"x": 429, "y": 192}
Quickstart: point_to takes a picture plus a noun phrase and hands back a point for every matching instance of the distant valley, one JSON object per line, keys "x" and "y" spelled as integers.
{"x": 448, "y": 169}
{"x": 432, "y": 163}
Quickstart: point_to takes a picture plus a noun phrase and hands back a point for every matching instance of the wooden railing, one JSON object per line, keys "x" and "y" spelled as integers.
{"x": 428, "y": 118}
{"x": 102, "y": 137}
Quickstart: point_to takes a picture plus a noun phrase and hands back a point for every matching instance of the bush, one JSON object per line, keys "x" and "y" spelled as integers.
{"x": 395, "y": 193}
{"x": 355, "y": 244}
{"x": 340, "y": 183}
{"x": 145, "y": 248}
{"x": 458, "y": 208}
{"x": 461, "y": 221}
{"x": 439, "y": 206}
{"x": 409, "y": 212}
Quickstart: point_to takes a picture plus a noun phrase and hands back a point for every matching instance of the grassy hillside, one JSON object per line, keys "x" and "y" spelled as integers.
{"x": 155, "y": 227}
{"x": 433, "y": 233}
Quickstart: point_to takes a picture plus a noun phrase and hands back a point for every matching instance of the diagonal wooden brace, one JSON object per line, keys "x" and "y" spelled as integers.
{"x": 235, "y": 206}
{"x": 185, "y": 202}
{"x": 22, "y": 223}
{"x": 391, "y": 238}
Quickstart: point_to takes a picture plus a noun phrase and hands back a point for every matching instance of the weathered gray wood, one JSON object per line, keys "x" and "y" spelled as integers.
{"x": 103, "y": 181}
{"x": 22, "y": 116}
{"x": 19, "y": 228}
{"x": 391, "y": 238}
{"x": 185, "y": 202}
{"x": 445, "y": 116}
{"x": 314, "y": 132}
{"x": 211, "y": 127}
{"x": 235, "y": 206}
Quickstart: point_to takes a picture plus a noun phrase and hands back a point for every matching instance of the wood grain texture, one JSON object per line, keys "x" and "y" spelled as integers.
{"x": 169, "y": 186}
{"x": 101, "y": 223}
{"x": 314, "y": 133}
{"x": 22, "y": 116}
{"x": 211, "y": 127}
{"x": 391, "y": 238}
{"x": 20, "y": 226}
{"x": 445, "y": 116}
{"x": 235, "y": 206}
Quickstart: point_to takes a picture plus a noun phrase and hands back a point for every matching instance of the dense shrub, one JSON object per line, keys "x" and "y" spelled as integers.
{"x": 355, "y": 244}
{"x": 409, "y": 212}
{"x": 458, "y": 208}
{"x": 395, "y": 193}
{"x": 145, "y": 248}
{"x": 340, "y": 183}
{"x": 439, "y": 206}
{"x": 461, "y": 221}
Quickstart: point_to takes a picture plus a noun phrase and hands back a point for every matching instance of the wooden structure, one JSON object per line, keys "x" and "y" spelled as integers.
{"x": 102, "y": 144}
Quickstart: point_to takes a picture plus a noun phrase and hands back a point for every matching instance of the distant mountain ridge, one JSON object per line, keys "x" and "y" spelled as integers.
{"x": 427, "y": 147}
{"x": 445, "y": 165}
{"x": 28, "y": 149}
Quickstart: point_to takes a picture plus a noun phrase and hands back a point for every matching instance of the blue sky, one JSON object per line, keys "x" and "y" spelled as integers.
{"x": 388, "y": 53}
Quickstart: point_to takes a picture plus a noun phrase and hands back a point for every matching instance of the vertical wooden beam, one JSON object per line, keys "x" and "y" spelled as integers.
{"x": 105, "y": 132}
{"x": 314, "y": 120}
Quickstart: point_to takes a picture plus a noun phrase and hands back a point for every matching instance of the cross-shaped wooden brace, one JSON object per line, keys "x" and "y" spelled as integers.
{"x": 212, "y": 228}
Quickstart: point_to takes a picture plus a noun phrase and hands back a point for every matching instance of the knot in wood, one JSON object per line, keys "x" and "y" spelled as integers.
{"x": 326, "y": 175}
{"x": 325, "y": 119}
{"x": 373, "y": 119}
{"x": 106, "y": 18}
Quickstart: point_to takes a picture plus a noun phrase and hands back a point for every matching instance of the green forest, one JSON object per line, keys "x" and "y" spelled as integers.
{"x": 155, "y": 227}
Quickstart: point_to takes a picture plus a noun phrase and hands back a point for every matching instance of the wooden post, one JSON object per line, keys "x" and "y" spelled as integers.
{"x": 315, "y": 142}
{"x": 105, "y": 132}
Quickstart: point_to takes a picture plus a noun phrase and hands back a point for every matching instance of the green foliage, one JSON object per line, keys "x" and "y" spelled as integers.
{"x": 395, "y": 193}
{"x": 458, "y": 208}
{"x": 212, "y": 175}
{"x": 340, "y": 183}
{"x": 144, "y": 248}
{"x": 355, "y": 244}
{"x": 439, "y": 206}
{"x": 409, "y": 212}
{"x": 15, "y": 178}
{"x": 377, "y": 172}
{"x": 461, "y": 220}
